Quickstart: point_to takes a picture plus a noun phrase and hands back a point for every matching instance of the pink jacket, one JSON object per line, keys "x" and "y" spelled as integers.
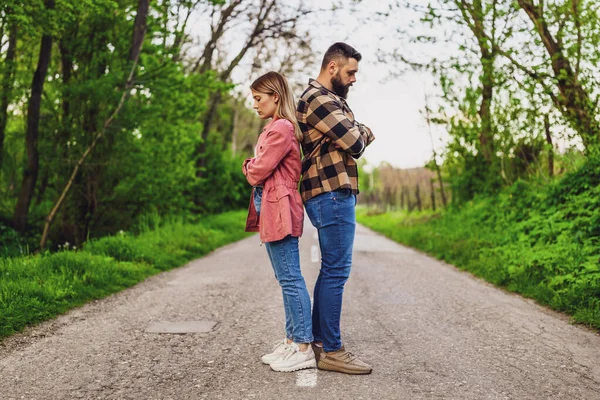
{"x": 277, "y": 166}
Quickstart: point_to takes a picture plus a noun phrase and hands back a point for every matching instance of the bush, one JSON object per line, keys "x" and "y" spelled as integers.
{"x": 12, "y": 244}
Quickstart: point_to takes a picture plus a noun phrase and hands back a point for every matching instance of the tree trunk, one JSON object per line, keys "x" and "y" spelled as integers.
{"x": 7, "y": 84}
{"x": 66, "y": 59}
{"x": 44, "y": 181}
{"x": 550, "y": 147}
{"x": 403, "y": 198}
{"x": 418, "y": 197}
{"x": 139, "y": 30}
{"x": 409, "y": 204}
{"x": 432, "y": 195}
{"x": 214, "y": 101}
{"x": 442, "y": 190}
{"x": 474, "y": 16}
{"x": 235, "y": 126}
{"x": 59, "y": 145}
{"x": 486, "y": 140}
{"x": 486, "y": 137}
{"x": 31, "y": 141}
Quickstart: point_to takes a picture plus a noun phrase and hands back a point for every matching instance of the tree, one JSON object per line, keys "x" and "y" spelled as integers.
{"x": 33, "y": 119}
{"x": 565, "y": 55}
{"x": 7, "y": 74}
{"x": 498, "y": 79}
{"x": 472, "y": 31}
{"x": 267, "y": 20}
{"x": 139, "y": 32}
{"x": 110, "y": 149}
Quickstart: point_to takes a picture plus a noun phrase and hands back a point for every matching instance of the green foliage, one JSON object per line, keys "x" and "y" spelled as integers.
{"x": 542, "y": 241}
{"x": 575, "y": 183}
{"x": 36, "y": 288}
{"x": 223, "y": 187}
{"x": 147, "y": 160}
{"x": 11, "y": 244}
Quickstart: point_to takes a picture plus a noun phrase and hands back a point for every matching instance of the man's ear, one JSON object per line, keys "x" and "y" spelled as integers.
{"x": 332, "y": 67}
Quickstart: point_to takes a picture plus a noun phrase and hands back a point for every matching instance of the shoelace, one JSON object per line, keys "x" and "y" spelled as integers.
{"x": 290, "y": 351}
{"x": 279, "y": 343}
{"x": 348, "y": 357}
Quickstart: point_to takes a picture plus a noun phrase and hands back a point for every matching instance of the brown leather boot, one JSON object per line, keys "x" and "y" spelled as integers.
{"x": 318, "y": 350}
{"x": 343, "y": 361}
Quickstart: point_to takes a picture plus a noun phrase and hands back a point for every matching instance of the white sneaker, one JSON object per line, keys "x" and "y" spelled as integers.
{"x": 280, "y": 347}
{"x": 294, "y": 359}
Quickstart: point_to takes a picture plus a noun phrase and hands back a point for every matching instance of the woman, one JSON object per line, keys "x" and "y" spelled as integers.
{"x": 276, "y": 212}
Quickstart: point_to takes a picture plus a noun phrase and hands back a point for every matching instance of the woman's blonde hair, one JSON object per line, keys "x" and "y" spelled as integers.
{"x": 273, "y": 82}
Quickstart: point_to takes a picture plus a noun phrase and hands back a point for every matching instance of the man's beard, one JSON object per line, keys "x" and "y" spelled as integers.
{"x": 338, "y": 87}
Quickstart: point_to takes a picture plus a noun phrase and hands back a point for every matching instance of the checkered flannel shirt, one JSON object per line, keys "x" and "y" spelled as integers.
{"x": 332, "y": 141}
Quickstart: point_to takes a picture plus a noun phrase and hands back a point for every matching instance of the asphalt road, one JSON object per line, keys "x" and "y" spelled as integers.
{"x": 429, "y": 330}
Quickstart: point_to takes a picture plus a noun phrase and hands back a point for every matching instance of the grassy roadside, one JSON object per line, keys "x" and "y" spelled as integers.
{"x": 542, "y": 242}
{"x": 37, "y": 288}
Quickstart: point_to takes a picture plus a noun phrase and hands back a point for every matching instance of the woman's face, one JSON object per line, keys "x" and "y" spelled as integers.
{"x": 265, "y": 104}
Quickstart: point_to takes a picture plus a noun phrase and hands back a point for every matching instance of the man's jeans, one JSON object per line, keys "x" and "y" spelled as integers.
{"x": 334, "y": 216}
{"x": 285, "y": 260}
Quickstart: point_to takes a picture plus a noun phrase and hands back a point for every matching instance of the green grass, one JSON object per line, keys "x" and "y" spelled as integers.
{"x": 542, "y": 242}
{"x": 37, "y": 288}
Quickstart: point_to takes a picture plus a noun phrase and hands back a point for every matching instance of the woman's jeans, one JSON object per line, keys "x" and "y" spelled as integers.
{"x": 285, "y": 259}
{"x": 257, "y": 198}
{"x": 333, "y": 214}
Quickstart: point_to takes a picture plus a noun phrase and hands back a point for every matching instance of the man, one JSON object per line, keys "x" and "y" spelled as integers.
{"x": 331, "y": 143}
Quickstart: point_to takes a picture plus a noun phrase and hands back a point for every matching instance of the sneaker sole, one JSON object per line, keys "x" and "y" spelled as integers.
{"x": 329, "y": 367}
{"x": 306, "y": 364}
{"x": 270, "y": 362}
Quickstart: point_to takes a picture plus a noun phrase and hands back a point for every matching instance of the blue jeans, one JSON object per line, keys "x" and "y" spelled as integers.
{"x": 285, "y": 259}
{"x": 333, "y": 214}
{"x": 258, "y": 192}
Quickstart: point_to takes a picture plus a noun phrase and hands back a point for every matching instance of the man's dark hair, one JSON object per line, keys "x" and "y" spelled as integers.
{"x": 337, "y": 51}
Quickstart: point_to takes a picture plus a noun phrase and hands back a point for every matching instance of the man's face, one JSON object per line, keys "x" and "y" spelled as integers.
{"x": 344, "y": 75}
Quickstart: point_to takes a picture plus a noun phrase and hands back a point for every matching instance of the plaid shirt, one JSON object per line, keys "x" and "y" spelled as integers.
{"x": 332, "y": 141}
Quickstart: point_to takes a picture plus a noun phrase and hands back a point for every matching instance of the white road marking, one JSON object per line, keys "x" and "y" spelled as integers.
{"x": 314, "y": 253}
{"x": 307, "y": 378}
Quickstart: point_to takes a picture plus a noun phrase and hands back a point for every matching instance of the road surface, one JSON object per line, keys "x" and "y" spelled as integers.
{"x": 429, "y": 330}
